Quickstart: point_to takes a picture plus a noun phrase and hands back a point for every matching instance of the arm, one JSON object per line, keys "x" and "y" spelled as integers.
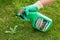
{"x": 42, "y": 3}
{"x": 33, "y": 8}
{"x": 39, "y": 4}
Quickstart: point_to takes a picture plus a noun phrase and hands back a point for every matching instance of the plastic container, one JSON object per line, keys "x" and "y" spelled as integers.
{"x": 39, "y": 21}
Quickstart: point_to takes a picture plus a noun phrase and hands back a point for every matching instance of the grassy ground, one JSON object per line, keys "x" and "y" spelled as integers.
{"x": 8, "y": 19}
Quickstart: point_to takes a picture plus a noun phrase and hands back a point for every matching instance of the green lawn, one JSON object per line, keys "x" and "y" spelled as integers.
{"x": 24, "y": 31}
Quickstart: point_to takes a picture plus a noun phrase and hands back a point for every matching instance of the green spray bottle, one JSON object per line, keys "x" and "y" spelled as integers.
{"x": 39, "y": 21}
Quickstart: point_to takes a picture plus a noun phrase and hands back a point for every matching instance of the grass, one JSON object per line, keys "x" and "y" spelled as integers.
{"x": 8, "y": 19}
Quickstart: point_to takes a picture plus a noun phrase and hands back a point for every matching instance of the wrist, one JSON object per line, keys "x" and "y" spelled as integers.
{"x": 38, "y": 4}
